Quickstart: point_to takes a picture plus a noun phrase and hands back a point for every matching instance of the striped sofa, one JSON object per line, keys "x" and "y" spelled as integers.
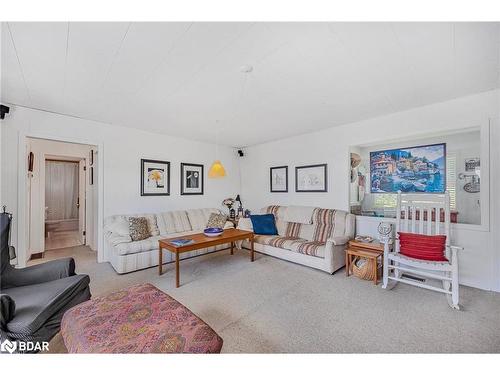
{"x": 126, "y": 255}
{"x": 318, "y": 242}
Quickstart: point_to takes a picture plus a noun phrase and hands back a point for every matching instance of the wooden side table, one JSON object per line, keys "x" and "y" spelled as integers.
{"x": 370, "y": 251}
{"x": 373, "y": 246}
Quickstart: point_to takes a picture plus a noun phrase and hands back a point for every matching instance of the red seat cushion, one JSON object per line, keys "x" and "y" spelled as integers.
{"x": 421, "y": 246}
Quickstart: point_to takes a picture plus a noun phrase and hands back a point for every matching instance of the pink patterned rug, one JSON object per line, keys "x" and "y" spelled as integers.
{"x": 140, "y": 319}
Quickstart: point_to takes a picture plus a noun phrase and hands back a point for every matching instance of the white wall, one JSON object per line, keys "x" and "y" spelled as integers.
{"x": 120, "y": 150}
{"x": 479, "y": 263}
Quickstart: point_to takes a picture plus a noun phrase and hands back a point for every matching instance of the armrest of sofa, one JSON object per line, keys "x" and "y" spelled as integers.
{"x": 338, "y": 240}
{"x": 7, "y": 310}
{"x": 335, "y": 252}
{"x": 115, "y": 239}
{"x": 40, "y": 273}
{"x": 245, "y": 224}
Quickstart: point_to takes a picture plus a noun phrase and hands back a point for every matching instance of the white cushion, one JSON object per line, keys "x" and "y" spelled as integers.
{"x": 299, "y": 214}
{"x": 133, "y": 247}
{"x": 172, "y": 222}
{"x": 152, "y": 225}
{"x": 296, "y": 245}
{"x": 279, "y": 214}
{"x": 307, "y": 231}
{"x": 115, "y": 239}
{"x": 180, "y": 234}
{"x": 199, "y": 217}
{"x": 119, "y": 226}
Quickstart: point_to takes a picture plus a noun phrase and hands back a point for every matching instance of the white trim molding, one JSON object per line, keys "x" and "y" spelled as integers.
{"x": 22, "y": 197}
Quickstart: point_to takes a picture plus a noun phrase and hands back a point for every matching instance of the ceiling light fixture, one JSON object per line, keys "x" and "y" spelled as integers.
{"x": 217, "y": 170}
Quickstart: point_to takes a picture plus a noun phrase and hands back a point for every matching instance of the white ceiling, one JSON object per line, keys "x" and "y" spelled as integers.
{"x": 184, "y": 79}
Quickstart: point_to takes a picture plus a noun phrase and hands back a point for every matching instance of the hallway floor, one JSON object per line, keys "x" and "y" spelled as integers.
{"x": 62, "y": 239}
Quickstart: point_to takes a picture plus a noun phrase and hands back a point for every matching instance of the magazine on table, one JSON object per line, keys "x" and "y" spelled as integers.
{"x": 182, "y": 242}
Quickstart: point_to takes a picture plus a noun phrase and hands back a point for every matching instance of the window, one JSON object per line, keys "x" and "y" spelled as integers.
{"x": 461, "y": 178}
{"x": 385, "y": 200}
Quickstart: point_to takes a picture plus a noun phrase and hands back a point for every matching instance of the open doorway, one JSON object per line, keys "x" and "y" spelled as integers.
{"x": 64, "y": 203}
{"x": 62, "y": 199}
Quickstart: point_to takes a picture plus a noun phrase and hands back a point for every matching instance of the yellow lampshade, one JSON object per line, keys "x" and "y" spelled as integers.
{"x": 216, "y": 170}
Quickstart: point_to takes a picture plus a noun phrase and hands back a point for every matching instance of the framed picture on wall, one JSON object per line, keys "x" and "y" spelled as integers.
{"x": 155, "y": 177}
{"x": 472, "y": 164}
{"x": 192, "y": 179}
{"x": 311, "y": 178}
{"x": 278, "y": 179}
{"x": 418, "y": 169}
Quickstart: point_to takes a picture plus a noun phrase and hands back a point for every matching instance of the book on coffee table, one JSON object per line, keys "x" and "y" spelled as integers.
{"x": 182, "y": 242}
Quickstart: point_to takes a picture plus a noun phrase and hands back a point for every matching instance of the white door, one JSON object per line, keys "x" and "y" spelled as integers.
{"x": 82, "y": 178}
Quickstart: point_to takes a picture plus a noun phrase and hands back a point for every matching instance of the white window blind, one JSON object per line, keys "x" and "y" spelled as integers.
{"x": 385, "y": 200}
{"x": 451, "y": 178}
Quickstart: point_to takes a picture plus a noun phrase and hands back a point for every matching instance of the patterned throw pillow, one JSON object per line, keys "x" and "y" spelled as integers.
{"x": 138, "y": 228}
{"x": 216, "y": 220}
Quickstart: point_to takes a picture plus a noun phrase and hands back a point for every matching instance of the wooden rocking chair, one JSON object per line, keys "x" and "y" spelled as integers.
{"x": 415, "y": 213}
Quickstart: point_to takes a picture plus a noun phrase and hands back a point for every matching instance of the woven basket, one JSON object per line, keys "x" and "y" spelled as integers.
{"x": 365, "y": 271}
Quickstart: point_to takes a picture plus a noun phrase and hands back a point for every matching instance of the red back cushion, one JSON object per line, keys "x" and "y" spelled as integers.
{"x": 421, "y": 246}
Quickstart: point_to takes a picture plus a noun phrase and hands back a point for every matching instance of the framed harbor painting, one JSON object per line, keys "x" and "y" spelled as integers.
{"x": 419, "y": 169}
{"x": 155, "y": 177}
{"x": 191, "y": 179}
{"x": 279, "y": 179}
{"x": 311, "y": 178}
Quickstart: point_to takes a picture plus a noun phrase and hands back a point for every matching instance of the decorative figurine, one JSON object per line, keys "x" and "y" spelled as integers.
{"x": 385, "y": 232}
{"x": 240, "y": 207}
{"x": 229, "y": 203}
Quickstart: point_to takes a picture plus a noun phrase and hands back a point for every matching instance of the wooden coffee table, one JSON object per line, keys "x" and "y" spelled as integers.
{"x": 200, "y": 242}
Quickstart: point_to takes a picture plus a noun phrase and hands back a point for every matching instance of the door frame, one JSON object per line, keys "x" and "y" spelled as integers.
{"x": 82, "y": 200}
{"x": 23, "y": 199}
{"x": 82, "y": 191}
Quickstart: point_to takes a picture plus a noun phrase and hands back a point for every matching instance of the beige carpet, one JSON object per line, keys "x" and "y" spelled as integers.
{"x": 273, "y": 306}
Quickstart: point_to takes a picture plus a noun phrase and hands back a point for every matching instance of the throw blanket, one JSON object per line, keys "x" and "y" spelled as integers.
{"x": 299, "y": 214}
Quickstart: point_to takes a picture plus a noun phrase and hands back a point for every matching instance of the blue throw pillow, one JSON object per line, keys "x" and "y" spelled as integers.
{"x": 264, "y": 224}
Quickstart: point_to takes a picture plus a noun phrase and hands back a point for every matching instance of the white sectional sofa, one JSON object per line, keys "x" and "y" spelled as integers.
{"x": 311, "y": 236}
{"x": 126, "y": 255}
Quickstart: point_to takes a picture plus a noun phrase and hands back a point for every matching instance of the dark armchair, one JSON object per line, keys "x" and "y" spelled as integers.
{"x": 34, "y": 299}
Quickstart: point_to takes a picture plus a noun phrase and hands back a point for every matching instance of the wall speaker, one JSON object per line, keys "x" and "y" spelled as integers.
{"x": 3, "y": 110}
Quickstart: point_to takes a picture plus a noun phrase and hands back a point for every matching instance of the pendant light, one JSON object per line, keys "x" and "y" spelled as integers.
{"x": 217, "y": 170}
